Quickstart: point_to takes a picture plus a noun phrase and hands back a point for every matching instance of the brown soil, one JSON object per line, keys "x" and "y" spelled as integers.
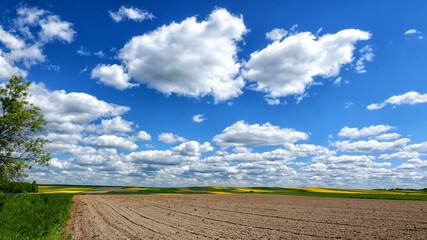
{"x": 238, "y": 216}
{"x": 108, "y": 189}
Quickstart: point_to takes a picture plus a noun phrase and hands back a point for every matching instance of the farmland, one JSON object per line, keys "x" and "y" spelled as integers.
{"x": 244, "y": 216}
{"x": 213, "y": 212}
{"x": 295, "y": 191}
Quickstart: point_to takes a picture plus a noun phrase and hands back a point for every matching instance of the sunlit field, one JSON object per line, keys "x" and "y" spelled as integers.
{"x": 298, "y": 191}
{"x": 64, "y": 189}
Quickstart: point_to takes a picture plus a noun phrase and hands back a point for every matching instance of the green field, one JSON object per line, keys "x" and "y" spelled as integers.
{"x": 34, "y": 216}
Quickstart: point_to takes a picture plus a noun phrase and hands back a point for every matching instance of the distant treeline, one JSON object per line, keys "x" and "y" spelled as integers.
{"x": 73, "y": 185}
{"x": 18, "y": 187}
{"x": 408, "y": 189}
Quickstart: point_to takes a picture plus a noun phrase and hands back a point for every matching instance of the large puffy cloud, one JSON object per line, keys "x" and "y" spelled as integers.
{"x": 189, "y": 58}
{"x": 110, "y": 141}
{"x": 69, "y": 114}
{"x": 131, "y": 13}
{"x": 243, "y": 134}
{"x": 23, "y": 44}
{"x": 410, "y": 98}
{"x": 287, "y": 67}
{"x": 364, "y": 132}
{"x": 370, "y": 146}
{"x": 112, "y": 75}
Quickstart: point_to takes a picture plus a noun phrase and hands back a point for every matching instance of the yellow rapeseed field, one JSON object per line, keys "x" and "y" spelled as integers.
{"x": 355, "y": 191}
{"x": 166, "y": 193}
{"x": 220, "y": 188}
{"x": 53, "y": 189}
{"x": 136, "y": 188}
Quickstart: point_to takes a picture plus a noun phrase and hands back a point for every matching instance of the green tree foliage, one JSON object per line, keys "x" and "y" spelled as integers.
{"x": 20, "y": 125}
{"x": 18, "y": 187}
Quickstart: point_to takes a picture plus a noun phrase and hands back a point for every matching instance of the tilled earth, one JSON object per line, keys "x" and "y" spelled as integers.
{"x": 244, "y": 216}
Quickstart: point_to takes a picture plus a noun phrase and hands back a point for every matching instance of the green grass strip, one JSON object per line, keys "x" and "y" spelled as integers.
{"x": 34, "y": 216}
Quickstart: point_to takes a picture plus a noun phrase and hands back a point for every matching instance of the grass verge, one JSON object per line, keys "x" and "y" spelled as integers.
{"x": 34, "y": 216}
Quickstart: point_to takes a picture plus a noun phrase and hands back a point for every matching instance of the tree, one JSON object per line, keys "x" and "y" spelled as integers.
{"x": 20, "y": 125}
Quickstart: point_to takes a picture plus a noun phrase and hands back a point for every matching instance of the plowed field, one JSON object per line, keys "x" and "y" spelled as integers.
{"x": 244, "y": 216}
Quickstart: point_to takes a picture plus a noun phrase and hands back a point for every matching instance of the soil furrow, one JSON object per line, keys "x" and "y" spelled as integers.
{"x": 245, "y": 225}
{"x": 170, "y": 225}
{"x": 129, "y": 220}
{"x": 329, "y": 222}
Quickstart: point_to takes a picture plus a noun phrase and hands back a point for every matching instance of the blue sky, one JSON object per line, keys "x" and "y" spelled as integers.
{"x": 283, "y": 93}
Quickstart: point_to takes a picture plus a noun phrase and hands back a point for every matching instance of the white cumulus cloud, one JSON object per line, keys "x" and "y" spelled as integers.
{"x": 192, "y": 148}
{"x": 418, "y": 147}
{"x": 400, "y": 155}
{"x": 370, "y": 146}
{"x": 388, "y": 136}
{"x": 243, "y": 134}
{"x": 110, "y": 141}
{"x": 76, "y": 107}
{"x": 353, "y": 160}
{"x": 287, "y": 67}
{"x": 69, "y": 114}
{"x": 112, "y": 75}
{"x": 143, "y": 136}
{"x": 116, "y": 124}
{"x": 410, "y": 98}
{"x": 170, "y": 138}
{"x": 364, "y": 132}
{"x": 189, "y": 58}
